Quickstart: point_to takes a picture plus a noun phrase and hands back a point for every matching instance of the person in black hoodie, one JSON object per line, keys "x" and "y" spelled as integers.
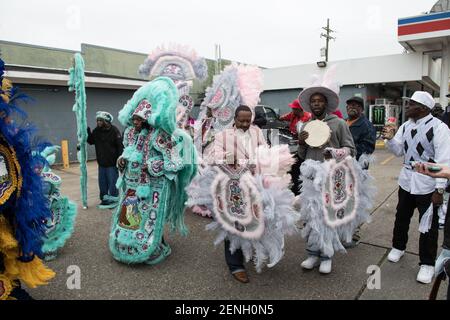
{"x": 108, "y": 147}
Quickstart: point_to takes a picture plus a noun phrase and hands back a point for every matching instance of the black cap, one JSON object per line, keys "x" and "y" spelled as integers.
{"x": 357, "y": 100}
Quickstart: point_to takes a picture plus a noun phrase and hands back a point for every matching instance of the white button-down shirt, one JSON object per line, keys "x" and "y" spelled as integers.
{"x": 233, "y": 144}
{"x": 245, "y": 139}
{"x": 409, "y": 180}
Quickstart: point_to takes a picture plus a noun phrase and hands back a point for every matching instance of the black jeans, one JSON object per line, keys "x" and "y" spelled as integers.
{"x": 446, "y": 244}
{"x": 428, "y": 242}
{"x": 234, "y": 261}
{"x": 448, "y": 291}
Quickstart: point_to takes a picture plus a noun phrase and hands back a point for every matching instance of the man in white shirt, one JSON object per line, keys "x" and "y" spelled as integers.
{"x": 237, "y": 145}
{"x": 422, "y": 138}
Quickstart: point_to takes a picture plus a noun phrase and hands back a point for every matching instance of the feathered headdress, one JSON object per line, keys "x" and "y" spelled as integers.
{"x": 44, "y": 156}
{"x": 236, "y": 85}
{"x": 178, "y": 62}
{"x": 327, "y": 86}
{"x": 10, "y": 96}
{"x": 28, "y": 207}
{"x": 162, "y": 95}
{"x": 5, "y": 85}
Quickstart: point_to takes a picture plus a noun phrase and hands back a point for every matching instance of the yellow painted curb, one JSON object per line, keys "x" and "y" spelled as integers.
{"x": 380, "y": 144}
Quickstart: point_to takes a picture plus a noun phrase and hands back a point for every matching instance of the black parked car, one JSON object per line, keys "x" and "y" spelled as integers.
{"x": 276, "y": 130}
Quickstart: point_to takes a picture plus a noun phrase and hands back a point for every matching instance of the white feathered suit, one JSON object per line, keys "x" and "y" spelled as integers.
{"x": 251, "y": 204}
{"x": 335, "y": 199}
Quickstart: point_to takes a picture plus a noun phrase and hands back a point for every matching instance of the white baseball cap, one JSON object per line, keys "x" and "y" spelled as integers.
{"x": 423, "y": 97}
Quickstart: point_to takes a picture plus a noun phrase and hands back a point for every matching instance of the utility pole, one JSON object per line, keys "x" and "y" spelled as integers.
{"x": 216, "y": 62}
{"x": 327, "y": 37}
{"x": 218, "y": 57}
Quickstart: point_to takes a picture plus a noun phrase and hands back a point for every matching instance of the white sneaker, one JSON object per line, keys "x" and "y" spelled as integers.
{"x": 325, "y": 266}
{"x": 310, "y": 263}
{"x": 425, "y": 274}
{"x": 395, "y": 255}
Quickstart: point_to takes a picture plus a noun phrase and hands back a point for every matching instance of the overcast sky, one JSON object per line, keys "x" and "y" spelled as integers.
{"x": 271, "y": 33}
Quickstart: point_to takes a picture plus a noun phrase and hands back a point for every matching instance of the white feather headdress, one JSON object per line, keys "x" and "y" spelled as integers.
{"x": 327, "y": 86}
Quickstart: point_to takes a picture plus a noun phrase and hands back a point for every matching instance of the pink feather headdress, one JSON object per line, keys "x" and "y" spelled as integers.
{"x": 250, "y": 83}
{"x": 176, "y": 61}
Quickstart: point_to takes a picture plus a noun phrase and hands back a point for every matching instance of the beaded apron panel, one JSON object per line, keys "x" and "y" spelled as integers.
{"x": 10, "y": 178}
{"x": 237, "y": 203}
{"x": 339, "y": 193}
{"x": 138, "y": 224}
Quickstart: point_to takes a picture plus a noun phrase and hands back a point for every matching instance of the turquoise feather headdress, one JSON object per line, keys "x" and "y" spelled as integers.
{"x": 162, "y": 94}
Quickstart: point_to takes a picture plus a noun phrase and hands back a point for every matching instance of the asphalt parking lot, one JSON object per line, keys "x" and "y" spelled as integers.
{"x": 196, "y": 269}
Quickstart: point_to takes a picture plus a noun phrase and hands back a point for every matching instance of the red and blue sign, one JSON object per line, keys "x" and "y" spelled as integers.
{"x": 435, "y": 22}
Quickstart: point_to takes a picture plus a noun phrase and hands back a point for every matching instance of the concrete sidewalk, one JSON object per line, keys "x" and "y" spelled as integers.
{"x": 197, "y": 270}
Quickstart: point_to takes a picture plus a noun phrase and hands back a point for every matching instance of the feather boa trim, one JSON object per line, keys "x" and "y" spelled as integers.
{"x": 33, "y": 273}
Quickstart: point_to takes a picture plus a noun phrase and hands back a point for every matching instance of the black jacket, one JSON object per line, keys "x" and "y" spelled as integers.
{"x": 364, "y": 136}
{"x": 446, "y": 119}
{"x": 108, "y": 145}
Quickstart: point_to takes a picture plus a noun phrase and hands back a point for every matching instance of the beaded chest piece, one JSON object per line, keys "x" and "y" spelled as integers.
{"x": 237, "y": 202}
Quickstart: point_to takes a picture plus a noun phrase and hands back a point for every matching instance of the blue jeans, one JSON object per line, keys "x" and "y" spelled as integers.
{"x": 107, "y": 178}
{"x": 234, "y": 261}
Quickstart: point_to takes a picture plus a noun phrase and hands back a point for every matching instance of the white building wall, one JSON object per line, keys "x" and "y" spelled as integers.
{"x": 382, "y": 69}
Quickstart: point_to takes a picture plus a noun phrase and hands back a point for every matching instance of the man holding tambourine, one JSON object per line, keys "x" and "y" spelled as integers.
{"x": 326, "y": 137}
{"x": 324, "y": 130}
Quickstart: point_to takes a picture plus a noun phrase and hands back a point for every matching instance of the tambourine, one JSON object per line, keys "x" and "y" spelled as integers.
{"x": 319, "y": 133}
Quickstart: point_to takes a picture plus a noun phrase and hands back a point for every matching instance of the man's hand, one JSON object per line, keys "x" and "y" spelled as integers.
{"x": 365, "y": 164}
{"x": 442, "y": 262}
{"x": 422, "y": 167}
{"x": 302, "y": 137}
{"x": 437, "y": 199}
{"x": 388, "y": 132}
{"x": 327, "y": 154}
{"x": 121, "y": 164}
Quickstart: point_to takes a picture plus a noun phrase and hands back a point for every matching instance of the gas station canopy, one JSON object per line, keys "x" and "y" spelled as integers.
{"x": 424, "y": 33}
{"x": 430, "y": 34}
